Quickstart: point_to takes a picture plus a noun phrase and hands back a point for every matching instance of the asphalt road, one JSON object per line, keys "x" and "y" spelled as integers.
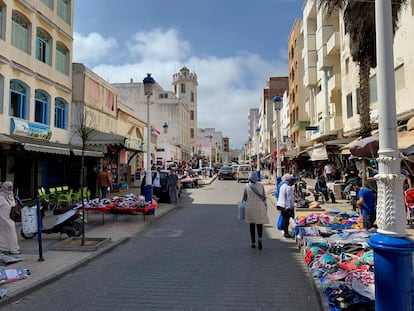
{"x": 198, "y": 257}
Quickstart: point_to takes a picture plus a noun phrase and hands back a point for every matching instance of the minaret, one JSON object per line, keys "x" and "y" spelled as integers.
{"x": 185, "y": 88}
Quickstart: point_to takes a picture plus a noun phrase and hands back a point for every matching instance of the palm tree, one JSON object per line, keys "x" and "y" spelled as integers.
{"x": 362, "y": 45}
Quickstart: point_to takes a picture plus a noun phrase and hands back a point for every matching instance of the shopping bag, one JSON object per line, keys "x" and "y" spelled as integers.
{"x": 279, "y": 222}
{"x": 241, "y": 209}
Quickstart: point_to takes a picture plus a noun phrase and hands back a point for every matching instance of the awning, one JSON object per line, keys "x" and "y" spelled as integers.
{"x": 88, "y": 153}
{"x": 46, "y": 149}
{"x": 318, "y": 153}
{"x": 6, "y": 139}
{"x": 102, "y": 138}
{"x": 406, "y": 142}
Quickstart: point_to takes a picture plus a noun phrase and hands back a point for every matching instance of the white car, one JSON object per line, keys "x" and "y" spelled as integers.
{"x": 243, "y": 172}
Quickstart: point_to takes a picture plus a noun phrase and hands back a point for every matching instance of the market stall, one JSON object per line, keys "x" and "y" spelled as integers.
{"x": 336, "y": 251}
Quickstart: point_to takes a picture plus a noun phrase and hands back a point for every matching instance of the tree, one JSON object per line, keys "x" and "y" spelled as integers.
{"x": 359, "y": 23}
{"x": 82, "y": 128}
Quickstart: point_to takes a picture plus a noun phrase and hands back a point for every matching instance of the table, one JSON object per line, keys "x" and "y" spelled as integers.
{"x": 101, "y": 208}
{"x": 145, "y": 210}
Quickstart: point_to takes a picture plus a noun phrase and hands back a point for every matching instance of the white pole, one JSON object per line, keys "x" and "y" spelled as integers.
{"x": 148, "y": 177}
{"x": 279, "y": 156}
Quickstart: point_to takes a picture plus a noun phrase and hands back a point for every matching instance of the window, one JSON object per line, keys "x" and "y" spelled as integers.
{"x": 192, "y": 97}
{"x": 20, "y": 33}
{"x": 60, "y": 113}
{"x": 182, "y": 87}
{"x": 191, "y": 133}
{"x": 2, "y": 20}
{"x": 62, "y": 58}
{"x": 192, "y": 115}
{"x": 349, "y": 110}
{"x": 17, "y": 100}
{"x": 63, "y": 9}
{"x": 41, "y": 107}
{"x": 43, "y": 46}
{"x": 163, "y": 95}
{"x": 49, "y": 3}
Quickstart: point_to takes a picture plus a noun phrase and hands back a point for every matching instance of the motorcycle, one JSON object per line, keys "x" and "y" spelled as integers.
{"x": 68, "y": 221}
{"x": 351, "y": 193}
{"x": 301, "y": 192}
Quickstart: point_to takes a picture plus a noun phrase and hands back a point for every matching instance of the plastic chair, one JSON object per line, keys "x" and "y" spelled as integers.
{"x": 76, "y": 196}
{"x": 42, "y": 194}
{"x": 52, "y": 194}
{"x": 65, "y": 198}
{"x": 59, "y": 189}
{"x": 65, "y": 188}
{"x": 86, "y": 193}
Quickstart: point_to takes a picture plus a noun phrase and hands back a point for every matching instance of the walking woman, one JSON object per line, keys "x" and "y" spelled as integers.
{"x": 256, "y": 209}
{"x": 8, "y": 236}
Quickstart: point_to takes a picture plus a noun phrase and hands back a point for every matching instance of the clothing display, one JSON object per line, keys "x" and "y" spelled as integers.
{"x": 335, "y": 248}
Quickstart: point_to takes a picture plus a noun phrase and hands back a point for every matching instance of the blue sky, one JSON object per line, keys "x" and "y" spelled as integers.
{"x": 233, "y": 46}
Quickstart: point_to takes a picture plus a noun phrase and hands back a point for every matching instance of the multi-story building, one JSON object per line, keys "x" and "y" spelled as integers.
{"x": 35, "y": 93}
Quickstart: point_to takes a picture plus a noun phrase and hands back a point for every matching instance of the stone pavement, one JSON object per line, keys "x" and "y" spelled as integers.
{"x": 57, "y": 261}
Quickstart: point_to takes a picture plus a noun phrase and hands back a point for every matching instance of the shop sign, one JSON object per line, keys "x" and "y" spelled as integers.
{"x": 133, "y": 143}
{"x": 24, "y": 128}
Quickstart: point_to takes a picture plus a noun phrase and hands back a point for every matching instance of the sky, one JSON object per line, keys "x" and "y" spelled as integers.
{"x": 233, "y": 46}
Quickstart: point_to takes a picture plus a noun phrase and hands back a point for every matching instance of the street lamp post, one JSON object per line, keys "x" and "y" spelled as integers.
{"x": 216, "y": 152}
{"x": 393, "y": 250}
{"x": 165, "y": 127}
{"x": 148, "y": 87}
{"x": 210, "y": 172}
{"x": 258, "y": 150}
{"x": 277, "y": 101}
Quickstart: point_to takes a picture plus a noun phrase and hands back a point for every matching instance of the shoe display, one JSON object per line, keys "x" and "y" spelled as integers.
{"x": 260, "y": 244}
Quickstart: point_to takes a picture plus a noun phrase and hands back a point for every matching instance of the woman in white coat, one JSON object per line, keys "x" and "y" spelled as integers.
{"x": 8, "y": 236}
{"x": 256, "y": 209}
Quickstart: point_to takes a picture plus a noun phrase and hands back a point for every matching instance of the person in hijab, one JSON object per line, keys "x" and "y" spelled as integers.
{"x": 256, "y": 209}
{"x": 286, "y": 203}
{"x": 8, "y": 236}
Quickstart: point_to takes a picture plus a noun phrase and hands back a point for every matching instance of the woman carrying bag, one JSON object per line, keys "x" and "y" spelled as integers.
{"x": 256, "y": 209}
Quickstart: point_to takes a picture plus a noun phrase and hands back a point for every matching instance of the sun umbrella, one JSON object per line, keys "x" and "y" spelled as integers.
{"x": 366, "y": 147}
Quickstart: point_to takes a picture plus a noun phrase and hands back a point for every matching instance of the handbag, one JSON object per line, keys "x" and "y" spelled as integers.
{"x": 241, "y": 210}
{"x": 16, "y": 213}
{"x": 279, "y": 222}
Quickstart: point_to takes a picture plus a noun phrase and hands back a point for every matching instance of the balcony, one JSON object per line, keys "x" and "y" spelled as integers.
{"x": 300, "y": 125}
{"x": 334, "y": 82}
{"x": 333, "y": 44}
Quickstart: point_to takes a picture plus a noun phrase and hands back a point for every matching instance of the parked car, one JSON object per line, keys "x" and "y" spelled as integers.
{"x": 226, "y": 172}
{"x": 234, "y": 167}
{"x": 217, "y": 167}
{"x": 163, "y": 195}
{"x": 243, "y": 172}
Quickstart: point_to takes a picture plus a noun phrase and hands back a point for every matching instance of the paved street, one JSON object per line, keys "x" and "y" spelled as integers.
{"x": 196, "y": 258}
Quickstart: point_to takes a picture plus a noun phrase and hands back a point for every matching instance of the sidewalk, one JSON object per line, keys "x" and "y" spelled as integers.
{"x": 54, "y": 263}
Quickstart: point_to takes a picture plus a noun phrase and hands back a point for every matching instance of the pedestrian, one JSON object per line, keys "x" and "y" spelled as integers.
{"x": 256, "y": 209}
{"x": 366, "y": 205}
{"x": 91, "y": 180}
{"x": 327, "y": 170}
{"x": 322, "y": 188}
{"x": 104, "y": 182}
{"x": 172, "y": 185}
{"x": 8, "y": 235}
{"x": 156, "y": 182}
{"x": 286, "y": 203}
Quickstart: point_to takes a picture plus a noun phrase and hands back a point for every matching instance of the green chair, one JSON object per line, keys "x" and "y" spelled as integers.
{"x": 86, "y": 193}
{"x": 65, "y": 189}
{"x": 53, "y": 194}
{"x": 65, "y": 198}
{"x": 42, "y": 194}
{"x": 76, "y": 196}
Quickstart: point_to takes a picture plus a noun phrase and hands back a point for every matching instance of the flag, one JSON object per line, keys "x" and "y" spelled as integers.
{"x": 154, "y": 131}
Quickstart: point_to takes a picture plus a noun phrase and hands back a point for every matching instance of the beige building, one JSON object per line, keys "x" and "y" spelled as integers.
{"x": 35, "y": 92}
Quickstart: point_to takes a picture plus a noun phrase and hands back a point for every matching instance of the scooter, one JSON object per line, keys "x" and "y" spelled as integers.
{"x": 301, "y": 192}
{"x": 69, "y": 221}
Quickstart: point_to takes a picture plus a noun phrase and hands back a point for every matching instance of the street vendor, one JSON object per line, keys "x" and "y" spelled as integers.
{"x": 366, "y": 205}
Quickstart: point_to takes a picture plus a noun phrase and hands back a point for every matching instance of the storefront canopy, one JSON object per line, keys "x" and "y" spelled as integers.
{"x": 6, "y": 139}
{"x": 318, "y": 152}
{"x": 102, "y": 138}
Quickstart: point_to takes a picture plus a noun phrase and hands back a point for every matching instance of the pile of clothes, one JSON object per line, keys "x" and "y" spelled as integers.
{"x": 336, "y": 251}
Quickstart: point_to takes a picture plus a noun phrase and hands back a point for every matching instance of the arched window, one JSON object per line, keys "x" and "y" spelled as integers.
{"x": 43, "y": 46}
{"x": 41, "y": 107}
{"x": 60, "y": 113}
{"x": 62, "y": 58}
{"x": 18, "y": 100}
{"x": 20, "y": 32}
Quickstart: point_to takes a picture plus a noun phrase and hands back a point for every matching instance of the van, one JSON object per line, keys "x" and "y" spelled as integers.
{"x": 243, "y": 172}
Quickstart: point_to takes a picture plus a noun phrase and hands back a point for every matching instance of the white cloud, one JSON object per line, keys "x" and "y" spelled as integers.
{"x": 92, "y": 48}
{"x": 227, "y": 87}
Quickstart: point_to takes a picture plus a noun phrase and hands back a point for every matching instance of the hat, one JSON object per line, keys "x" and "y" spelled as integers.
{"x": 314, "y": 204}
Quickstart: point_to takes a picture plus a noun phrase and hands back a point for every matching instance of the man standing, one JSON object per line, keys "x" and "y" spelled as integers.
{"x": 156, "y": 182}
{"x": 366, "y": 205}
{"x": 172, "y": 184}
{"x": 104, "y": 182}
{"x": 286, "y": 203}
{"x": 328, "y": 172}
